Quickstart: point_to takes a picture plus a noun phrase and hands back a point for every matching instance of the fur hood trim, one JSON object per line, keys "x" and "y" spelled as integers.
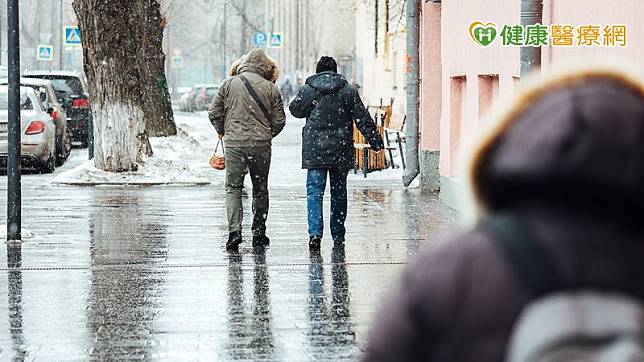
{"x": 259, "y": 61}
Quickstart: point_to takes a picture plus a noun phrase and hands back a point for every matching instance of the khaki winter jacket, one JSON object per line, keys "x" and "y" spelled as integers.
{"x": 234, "y": 112}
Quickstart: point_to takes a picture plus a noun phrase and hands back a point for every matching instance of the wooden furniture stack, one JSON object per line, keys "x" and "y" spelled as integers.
{"x": 367, "y": 161}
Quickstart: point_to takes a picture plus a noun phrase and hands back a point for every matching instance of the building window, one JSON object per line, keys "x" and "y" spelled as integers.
{"x": 488, "y": 92}
{"x": 458, "y": 96}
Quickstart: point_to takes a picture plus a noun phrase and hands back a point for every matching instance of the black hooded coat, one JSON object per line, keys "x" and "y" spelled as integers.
{"x": 330, "y": 105}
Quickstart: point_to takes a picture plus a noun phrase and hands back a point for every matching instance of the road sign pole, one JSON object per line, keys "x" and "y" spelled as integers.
{"x": 60, "y": 48}
{"x": 13, "y": 149}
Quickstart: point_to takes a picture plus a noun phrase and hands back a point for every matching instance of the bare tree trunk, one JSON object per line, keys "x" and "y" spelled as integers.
{"x": 159, "y": 119}
{"x": 113, "y": 46}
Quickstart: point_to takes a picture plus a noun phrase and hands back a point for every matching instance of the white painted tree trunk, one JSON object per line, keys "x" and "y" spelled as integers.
{"x": 116, "y": 130}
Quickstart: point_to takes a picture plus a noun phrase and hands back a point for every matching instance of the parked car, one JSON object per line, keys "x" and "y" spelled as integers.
{"x": 45, "y": 90}
{"x": 187, "y": 100}
{"x": 192, "y": 102}
{"x": 37, "y": 130}
{"x": 205, "y": 96}
{"x": 72, "y": 93}
{"x": 180, "y": 91}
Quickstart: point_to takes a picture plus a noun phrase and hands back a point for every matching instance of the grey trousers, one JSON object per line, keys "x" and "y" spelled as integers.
{"x": 257, "y": 161}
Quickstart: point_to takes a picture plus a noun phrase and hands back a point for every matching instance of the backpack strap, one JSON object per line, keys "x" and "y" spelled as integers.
{"x": 527, "y": 257}
{"x": 255, "y": 97}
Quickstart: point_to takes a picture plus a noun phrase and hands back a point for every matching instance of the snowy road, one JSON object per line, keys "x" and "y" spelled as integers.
{"x": 141, "y": 272}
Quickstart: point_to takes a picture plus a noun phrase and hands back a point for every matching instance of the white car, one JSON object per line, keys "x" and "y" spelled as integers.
{"x": 37, "y": 130}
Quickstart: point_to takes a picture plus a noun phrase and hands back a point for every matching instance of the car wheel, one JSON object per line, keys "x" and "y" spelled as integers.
{"x": 50, "y": 165}
{"x": 84, "y": 143}
{"x": 66, "y": 149}
{"x": 68, "y": 144}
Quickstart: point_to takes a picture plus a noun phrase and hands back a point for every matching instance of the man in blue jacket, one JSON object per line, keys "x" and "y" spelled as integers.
{"x": 330, "y": 105}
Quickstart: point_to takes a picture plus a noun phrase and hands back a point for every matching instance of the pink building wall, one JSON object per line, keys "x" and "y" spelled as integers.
{"x": 431, "y": 75}
{"x": 473, "y": 77}
{"x": 595, "y": 12}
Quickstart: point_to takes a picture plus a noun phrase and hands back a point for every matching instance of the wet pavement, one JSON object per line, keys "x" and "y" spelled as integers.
{"x": 142, "y": 273}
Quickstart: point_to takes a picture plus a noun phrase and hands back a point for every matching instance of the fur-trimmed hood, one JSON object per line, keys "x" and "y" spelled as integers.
{"x": 256, "y": 61}
{"x": 573, "y": 138}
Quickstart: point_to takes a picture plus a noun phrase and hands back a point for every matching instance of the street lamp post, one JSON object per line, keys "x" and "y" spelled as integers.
{"x": 13, "y": 149}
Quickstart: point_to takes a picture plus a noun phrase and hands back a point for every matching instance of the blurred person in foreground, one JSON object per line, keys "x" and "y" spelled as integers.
{"x": 565, "y": 162}
{"x": 247, "y": 113}
{"x": 330, "y": 105}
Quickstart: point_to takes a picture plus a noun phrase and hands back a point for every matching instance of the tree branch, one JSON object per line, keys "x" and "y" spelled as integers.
{"x": 244, "y": 16}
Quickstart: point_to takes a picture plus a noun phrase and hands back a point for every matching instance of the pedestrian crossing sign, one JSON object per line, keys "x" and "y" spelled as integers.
{"x": 45, "y": 53}
{"x": 276, "y": 40}
{"x": 72, "y": 36}
{"x": 177, "y": 62}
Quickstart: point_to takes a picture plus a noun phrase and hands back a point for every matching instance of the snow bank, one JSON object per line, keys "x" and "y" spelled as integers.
{"x": 168, "y": 166}
{"x": 26, "y": 234}
{"x": 155, "y": 171}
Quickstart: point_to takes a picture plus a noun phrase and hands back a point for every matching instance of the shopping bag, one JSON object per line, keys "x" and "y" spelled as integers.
{"x": 217, "y": 160}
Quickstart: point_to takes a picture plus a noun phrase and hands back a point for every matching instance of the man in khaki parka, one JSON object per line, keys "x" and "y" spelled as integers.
{"x": 247, "y": 132}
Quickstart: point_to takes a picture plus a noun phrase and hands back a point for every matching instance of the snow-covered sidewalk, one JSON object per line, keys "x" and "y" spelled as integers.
{"x": 171, "y": 164}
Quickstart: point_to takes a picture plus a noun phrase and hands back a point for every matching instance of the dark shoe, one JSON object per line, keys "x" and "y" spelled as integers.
{"x": 261, "y": 240}
{"x": 314, "y": 242}
{"x": 338, "y": 241}
{"x": 234, "y": 239}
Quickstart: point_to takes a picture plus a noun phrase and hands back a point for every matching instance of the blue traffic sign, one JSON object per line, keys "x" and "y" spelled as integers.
{"x": 177, "y": 61}
{"x": 45, "y": 53}
{"x": 276, "y": 40}
{"x": 259, "y": 39}
{"x": 72, "y": 36}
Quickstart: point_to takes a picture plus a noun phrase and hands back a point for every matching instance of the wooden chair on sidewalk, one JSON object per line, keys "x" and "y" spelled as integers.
{"x": 367, "y": 161}
{"x": 396, "y": 126}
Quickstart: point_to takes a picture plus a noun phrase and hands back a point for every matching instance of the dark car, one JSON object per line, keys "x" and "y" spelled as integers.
{"x": 71, "y": 91}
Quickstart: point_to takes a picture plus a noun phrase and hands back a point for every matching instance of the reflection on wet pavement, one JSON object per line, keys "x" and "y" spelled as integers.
{"x": 14, "y": 288}
{"x": 123, "y": 301}
{"x": 143, "y": 274}
{"x": 330, "y": 332}
{"x": 250, "y": 331}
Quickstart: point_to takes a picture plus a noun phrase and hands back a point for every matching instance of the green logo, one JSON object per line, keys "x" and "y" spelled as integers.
{"x": 483, "y": 34}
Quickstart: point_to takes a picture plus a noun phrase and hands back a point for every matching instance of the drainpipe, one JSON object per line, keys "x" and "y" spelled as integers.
{"x": 531, "y": 13}
{"x": 413, "y": 41}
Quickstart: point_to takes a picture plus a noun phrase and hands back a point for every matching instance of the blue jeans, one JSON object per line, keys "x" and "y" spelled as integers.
{"x": 315, "y": 186}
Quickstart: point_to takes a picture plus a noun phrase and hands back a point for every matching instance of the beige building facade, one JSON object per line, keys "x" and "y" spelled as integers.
{"x": 381, "y": 53}
{"x": 310, "y": 29}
